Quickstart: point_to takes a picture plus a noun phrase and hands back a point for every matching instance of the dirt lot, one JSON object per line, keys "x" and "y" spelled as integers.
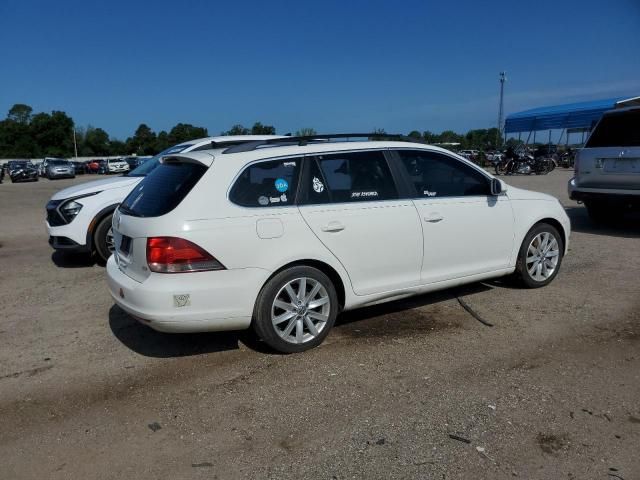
{"x": 551, "y": 391}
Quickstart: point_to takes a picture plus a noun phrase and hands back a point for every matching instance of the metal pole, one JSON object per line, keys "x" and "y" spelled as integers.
{"x": 503, "y": 78}
{"x": 75, "y": 145}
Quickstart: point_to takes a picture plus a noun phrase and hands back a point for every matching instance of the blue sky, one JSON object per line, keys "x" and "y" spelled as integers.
{"x": 331, "y": 65}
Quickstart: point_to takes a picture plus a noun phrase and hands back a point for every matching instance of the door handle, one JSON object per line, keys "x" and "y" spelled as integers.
{"x": 332, "y": 227}
{"x": 433, "y": 218}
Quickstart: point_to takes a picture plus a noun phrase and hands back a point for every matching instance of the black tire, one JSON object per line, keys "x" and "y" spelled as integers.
{"x": 521, "y": 273}
{"x": 100, "y": 238}
{"x": 262, "y": 323}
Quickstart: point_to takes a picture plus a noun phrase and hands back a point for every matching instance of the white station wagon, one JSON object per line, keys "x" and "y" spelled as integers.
{"x": 281, "y": 235}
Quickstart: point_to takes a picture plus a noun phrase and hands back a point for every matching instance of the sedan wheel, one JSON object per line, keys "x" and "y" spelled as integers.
{"x": 300, "y": 310}
{"x": 295, "y": 309}
{"x": 540, "y": 256}
{"x": 109, "y": 241}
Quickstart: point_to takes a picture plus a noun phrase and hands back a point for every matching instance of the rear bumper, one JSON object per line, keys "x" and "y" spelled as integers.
{"x": 61, "y": 175}
{"x": 604, "y": 195}
{"x": 220, "y": 300}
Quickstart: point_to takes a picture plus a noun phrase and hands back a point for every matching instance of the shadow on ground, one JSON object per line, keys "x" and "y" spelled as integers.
{"x": 394, "y": 319}
{"x": 73, "y": 260}
{"x": 627, "y": 226}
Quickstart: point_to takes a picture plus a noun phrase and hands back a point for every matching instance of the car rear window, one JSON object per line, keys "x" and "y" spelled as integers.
{"x": 620, "y": 129}
{"x": 163, "y": 189}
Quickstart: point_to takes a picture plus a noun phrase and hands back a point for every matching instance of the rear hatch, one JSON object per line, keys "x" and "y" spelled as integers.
{"x": 611, "y": 157}
{"x": 144, "y": 212}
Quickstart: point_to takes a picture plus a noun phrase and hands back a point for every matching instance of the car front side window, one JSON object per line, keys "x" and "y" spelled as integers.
{"x": 350, "y": 177}
{"x": 433, "y": 174}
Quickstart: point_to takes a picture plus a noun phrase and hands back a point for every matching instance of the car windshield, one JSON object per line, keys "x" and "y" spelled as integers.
{"x": 59, "y": 162}
{"x": 150, "y": 164}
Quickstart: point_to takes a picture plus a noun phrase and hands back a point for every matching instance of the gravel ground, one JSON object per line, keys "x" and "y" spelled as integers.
{"x": 551, "y": 391}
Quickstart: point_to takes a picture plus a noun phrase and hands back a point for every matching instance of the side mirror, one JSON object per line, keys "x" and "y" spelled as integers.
{"x": 496, "y": 187}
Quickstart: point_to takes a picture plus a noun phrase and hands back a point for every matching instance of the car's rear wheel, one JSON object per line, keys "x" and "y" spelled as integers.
{"x": 296, "y": 309}
{"x": 540, "y": 256}
{"x": 103, "y": 238}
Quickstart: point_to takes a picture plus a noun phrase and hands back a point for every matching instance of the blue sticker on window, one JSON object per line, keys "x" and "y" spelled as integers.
{"x": 282, "y": 185}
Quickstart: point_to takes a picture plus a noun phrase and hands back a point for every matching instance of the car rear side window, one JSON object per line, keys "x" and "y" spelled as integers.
{"x": 350, "y": 177}
{"x": 272, "y": 183}
{"x": 162, "y": 189}
{"x": 619, "y": 129}
{"x": 433, "y": 174}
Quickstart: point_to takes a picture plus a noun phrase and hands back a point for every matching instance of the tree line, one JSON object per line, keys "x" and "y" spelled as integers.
{"x": 24, "y": 134}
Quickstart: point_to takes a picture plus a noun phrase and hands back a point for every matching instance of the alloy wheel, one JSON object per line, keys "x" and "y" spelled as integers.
{"x": 542, "y": 256}
{"x": 300, "y": 310}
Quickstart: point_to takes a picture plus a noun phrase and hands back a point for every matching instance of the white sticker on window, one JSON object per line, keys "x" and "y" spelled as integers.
{"x": 289, "y": 164}
{"x": 283, "y": 197}
{"x": 263, "y": 200}
{"x": 371, "y": 194}
{"x": 274, "y": 199}
{"x": 318, "y": 186}
{"x": 427, "y": 193}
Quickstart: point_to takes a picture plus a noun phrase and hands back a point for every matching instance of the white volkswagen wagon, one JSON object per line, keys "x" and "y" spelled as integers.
{"x": 282, "y": 235}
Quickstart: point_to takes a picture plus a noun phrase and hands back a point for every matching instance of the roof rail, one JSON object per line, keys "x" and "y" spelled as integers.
{"x": 307, "y": 139}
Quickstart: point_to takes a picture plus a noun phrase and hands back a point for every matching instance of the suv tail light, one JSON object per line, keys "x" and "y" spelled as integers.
{"x": 177, "y": 255}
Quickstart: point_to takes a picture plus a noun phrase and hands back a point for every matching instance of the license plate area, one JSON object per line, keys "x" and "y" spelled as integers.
{"x": 622, "y": 165}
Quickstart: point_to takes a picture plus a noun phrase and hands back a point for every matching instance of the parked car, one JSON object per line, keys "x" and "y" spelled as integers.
{"x": 22, "y": 171}
{"x": 93, "y": 166}
{"x": 281, "y": 235}
{"x": 607, "y": 169}
{"x": 117, "y": 165}
{"x": 79, "y": 168}
{"x": 134, "y": 162}
{"x": 79, "y": 217}
{"x": 469, "y": 154}
{"x": 57, "y": 168}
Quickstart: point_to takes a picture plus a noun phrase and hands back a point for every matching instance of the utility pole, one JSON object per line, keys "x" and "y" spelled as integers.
{"x": 75, "y": 145}
{"x": 503, "y": 78}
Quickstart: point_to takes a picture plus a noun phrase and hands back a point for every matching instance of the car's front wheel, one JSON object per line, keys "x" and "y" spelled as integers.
{"x": 540, "y": 256}
{"x": 296, "y": 309}
{"x": 103, "y": 238}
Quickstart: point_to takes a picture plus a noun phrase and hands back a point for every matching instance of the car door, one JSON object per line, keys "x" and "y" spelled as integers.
{"x": 351, "y": 202}
{"x": 466, "y": 230}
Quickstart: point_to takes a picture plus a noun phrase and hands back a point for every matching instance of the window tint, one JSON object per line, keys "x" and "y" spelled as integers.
{"x": 162, "y": 189}
{"x": 270, "y": 183}
{"x": 617, "y": 130}
{"x": 350, "y": 177}
{"x": 436, "y": 175}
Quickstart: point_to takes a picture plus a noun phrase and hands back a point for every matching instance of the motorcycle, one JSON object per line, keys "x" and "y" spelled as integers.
{"x": 524, "y": 165}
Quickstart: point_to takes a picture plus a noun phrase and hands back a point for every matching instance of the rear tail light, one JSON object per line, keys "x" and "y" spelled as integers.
{"x": 177, "y": 255}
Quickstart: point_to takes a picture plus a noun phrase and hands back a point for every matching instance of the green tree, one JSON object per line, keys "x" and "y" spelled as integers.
{"x": 20, "y": 113}
{"x": 143, "y": 141}
{"x": 53, "y": 134}
{"x": 237, "y": 130}
{"x": 260, "y": 129}
{"x": 162, "y": 142}
{"x": 95, "y": 141}
{"x": 415, "y": 134}
{"x": 306, "y": 132}
{"x": 117, "y": 147}
{"x": 184, "y": 132}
